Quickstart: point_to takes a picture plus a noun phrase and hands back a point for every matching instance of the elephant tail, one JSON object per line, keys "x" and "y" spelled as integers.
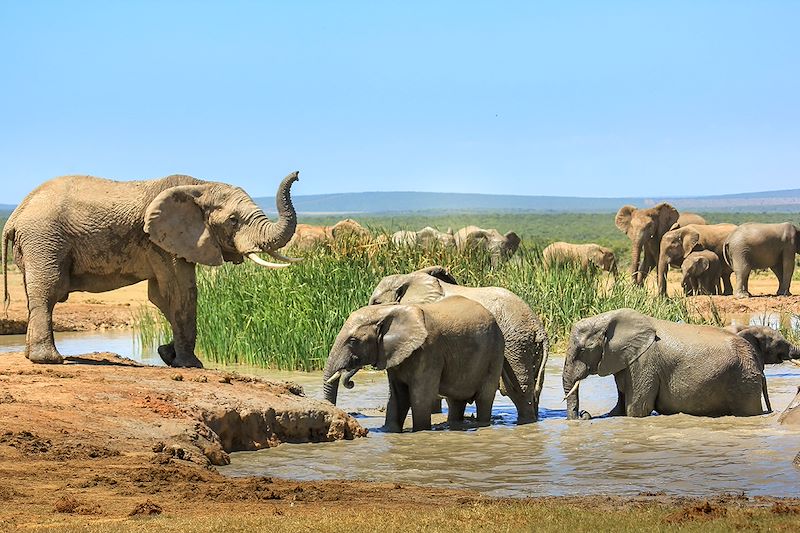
{"x": 766, "y": 393}
{"x": 726, "y": 254}
{"x": 8, "y": 235}
{"x": 537, "y": 391}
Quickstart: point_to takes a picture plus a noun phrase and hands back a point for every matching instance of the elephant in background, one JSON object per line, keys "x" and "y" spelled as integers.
{"x": 678, "y": 243}
{"x": 81, "y": 233}
{"x": 755, "y": 245}
{"x": 664, "y": 366}
{"x": 426, "y": 237}
{"x": 645, "y": 227}
{"x": 526, "y": 343}
{"x": 498, "y": 245}
{"x": 308, "y": 236}
{"x": 585, "y": 255}
{"x": 701, "y": 273}
{"x": 451, "y": 348}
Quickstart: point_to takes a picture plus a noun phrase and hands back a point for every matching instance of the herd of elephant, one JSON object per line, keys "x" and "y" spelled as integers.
{"x": 434, "y": 337}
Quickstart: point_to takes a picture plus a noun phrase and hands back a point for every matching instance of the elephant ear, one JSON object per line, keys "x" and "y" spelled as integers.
{"x": 513, "y": 241}
{"x": 757, "y": 339}
{"x": 176, "y": 223}
{"x": 401, "y": 331}
{"x": 690, "y": 241}
{"x": 623, "y": 218}
{"x": 627, "y": 336}
{"x": 703, "y": 264}
{"x": 667, "y": 216}
{"x": 422, "y": 288}
{"x": 439, "y": 272}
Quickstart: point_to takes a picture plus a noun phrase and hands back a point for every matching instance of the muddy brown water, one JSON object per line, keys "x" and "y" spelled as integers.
{"x": 677, "y": 454}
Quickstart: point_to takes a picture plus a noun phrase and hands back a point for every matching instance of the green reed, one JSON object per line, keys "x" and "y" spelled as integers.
{"x": 288, "y": 318}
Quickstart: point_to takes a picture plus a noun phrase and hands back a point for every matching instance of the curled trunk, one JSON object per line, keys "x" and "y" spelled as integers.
{"x": 331, "y": 378}
{"x": 275, "y": 235}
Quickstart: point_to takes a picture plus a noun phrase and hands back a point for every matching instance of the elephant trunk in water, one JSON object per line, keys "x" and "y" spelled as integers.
{"x": 574, "y": 372}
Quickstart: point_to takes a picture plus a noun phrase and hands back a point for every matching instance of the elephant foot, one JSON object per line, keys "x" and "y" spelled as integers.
{"x": 742, "y": 294}
{"x": 784, "y": 293}
{"x": 167, "y": 353}
{"x": 46, "y": 355}
{"x": 585, "y": 415}
{"x": 190, "y": 361}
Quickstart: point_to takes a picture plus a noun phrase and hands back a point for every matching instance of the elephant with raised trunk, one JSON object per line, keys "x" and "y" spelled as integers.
{"x": 664, "y": 366}
{"x": 81, "y": 233}
{"x": 526, "y": 344}
{"x": 585, "y": 255}
{"x": 678, "y": 243}
{"x": 645, "y": 227}
{"x": 451, "y": 348}
{"x": 754, "y": 245}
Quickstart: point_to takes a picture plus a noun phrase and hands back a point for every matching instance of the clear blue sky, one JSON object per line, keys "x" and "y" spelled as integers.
{"x": 564, "y": 98}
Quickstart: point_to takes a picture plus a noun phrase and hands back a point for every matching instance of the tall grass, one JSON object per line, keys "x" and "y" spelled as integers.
{"x": 288, "y": 319}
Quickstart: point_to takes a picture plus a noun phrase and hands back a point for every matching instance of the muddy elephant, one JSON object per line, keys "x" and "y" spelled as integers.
{"x": 585, "y": 255}
{"x": 426, "y": 237}
{"x": 526, "y": 344}
{"x": 81, "y": 233}
{"x": 499, "y": 246}
{"x": 308, "y": 236}
{"x": 645, "y": 227}
{"x": 702, "y": 272}
{"x": 754, "y": 245}
{"x": 451, "y": 348}
{"x": 678, "y": 243}
{"x": 791, "y": 417}
{"x": 664, "y": 366}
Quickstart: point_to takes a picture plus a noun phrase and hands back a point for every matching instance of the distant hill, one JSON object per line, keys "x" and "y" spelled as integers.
{"x": 404, "y": 202}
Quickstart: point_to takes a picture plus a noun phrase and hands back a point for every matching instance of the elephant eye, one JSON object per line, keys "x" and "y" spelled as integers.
{"x": 233, "y": 220}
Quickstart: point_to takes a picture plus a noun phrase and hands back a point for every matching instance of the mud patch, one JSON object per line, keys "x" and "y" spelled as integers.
{"x": 704, "y": 511}
{"x": 31, "y": 445}
{"x": 146, "y": 508}
{"x": 69, "y": 505}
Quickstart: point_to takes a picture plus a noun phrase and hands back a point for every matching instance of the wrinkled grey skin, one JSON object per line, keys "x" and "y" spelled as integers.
{"x": 81, "y": 233}
{"x": 645, "y": 227}
{"x": 770, "y": 344}
{"x": 679, "y": 242}
{"x": 426, "y": 237}
{"x": 755, "y": 245}
{"x": 584, "y": 254}
{"x": 526, "y": 344}
{"x": 664, "y": 366}
{"x": 701, "y": 273}
{"x": 791, "y": 417}
{"x": 500, "y": 246}
{"x": 451, "y": 348}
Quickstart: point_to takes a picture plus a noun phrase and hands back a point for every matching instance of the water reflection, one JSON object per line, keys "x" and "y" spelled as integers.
{"x": 121, "y": 342}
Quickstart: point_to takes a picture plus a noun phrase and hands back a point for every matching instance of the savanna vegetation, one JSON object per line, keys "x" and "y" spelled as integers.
{"x": 288, "y": 319}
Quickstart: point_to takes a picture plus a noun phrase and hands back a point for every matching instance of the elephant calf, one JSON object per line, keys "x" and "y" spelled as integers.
{"x": 664, "y": 366}
{"x": 702, "y": 272}
{"x": 451, "y": 348}
{"x": 586, "y": 255}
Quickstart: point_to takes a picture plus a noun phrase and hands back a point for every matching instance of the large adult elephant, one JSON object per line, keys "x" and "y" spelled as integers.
{"x": 81, "y": 233}
{"x": 500, "y": 246}
{"x": 586, "y": 255}
{"x": 755, "y": 245}
{"x": 645, "y": 227}
{"x": 451, "y": 348}
{"x": 678, "y": 243}
{"x": 664, "y": 366}
{"x": 526, "y": 344}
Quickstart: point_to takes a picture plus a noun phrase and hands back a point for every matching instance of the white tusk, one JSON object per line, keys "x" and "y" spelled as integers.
{"x": 794, "y": 362}
{"x": 334, "y": 377}
{"x": 572, "y": 390}
{"x": 257, "y": 260}
{"x": 280, "y": 257}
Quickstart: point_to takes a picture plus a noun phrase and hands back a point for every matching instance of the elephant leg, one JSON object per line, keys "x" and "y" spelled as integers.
{"x": 484, "y": 401}
{"x": 727, "y": 286}
{"x": 619, "y": 409}
{"x": 176, "y": 298}
{"x": 422, "y": 398}
{"x": 742, "y": 276}
{"x": 639, "y": 394}
{"x": 43, "y": 291}
{"x": 455, "y": 410}
{"x": 397, "y": 407}
{"x": 512, "y": 388}
{"x": 436, "y": 407}
{"x": 787, "y": 269}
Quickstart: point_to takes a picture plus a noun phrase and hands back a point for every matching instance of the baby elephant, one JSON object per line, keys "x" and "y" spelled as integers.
{"x": 451, "y": 348}
{"x": 583, "y": 254}
{"x": 702, "y": 271}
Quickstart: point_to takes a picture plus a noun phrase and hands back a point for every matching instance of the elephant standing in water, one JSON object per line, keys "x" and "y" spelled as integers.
{"x": 679, "y": 242}
{"x": 791, "y": 417}
{"x": 754, "y": 245}
{"x": 451, "y": 348}
{"x": 81, "y": 233}
{"x": 664, "y": 366}
{"x": 645, "y": 227}
{"x": 582, "y": 254}
{"x": 526, "y": 344}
